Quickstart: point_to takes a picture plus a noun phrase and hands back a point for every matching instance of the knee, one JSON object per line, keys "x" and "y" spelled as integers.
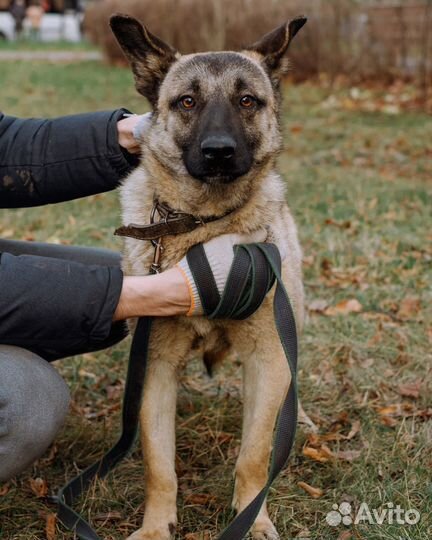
{"x": 34, "y": 401}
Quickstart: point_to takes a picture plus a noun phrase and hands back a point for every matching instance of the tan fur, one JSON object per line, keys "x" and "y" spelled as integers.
{"x": 259, "y": 201}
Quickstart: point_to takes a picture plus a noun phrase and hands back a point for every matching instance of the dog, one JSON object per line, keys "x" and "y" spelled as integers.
{"x": 210, "y": 151}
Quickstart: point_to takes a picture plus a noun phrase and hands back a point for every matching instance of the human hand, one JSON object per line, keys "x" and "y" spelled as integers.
{"x": 220, "y": 255}
{"x": 131, "y": 130}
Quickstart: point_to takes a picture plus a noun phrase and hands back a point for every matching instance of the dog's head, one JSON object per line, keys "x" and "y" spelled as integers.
{"x": 216, "y": 114}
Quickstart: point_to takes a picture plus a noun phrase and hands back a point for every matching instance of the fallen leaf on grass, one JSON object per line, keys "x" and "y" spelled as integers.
{"x": 39, "y": 487}
{"x": 389, "y": 414}
{"x": 50, "y": 527}
{"x": 314, "y": 492}
{"x": 53, "y": 451}
{"x": 322, "y": 454}
{"x": 4, "y": 490}
{"x": 411, "y": 390}
{"x": 304, "y": 533}
{"x": 409, "y": 307}
{"x": 344, "y": 307}
{"x": 205, "y": 535}
{"x": 390, "y": 409}
{"x": 340, "y": 224}
{"x": 316, "y": 440}
{"x": 318, "y": 305}
{"x": 200, "y": 499}
{"x": 355, "y": 428}
{"x": 388, "y": 421}
{"x": 348, "y": 455}
{"x": 88, "y": 374}
{"x": 345, "y": 535}
{"x": 296, "y": 128}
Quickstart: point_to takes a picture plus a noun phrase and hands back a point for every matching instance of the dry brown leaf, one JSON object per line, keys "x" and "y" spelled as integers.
{"x": 304, "y": 533}
{"x": 316, "y": 440}
{"x": 367, "y": 363}
{"x": 411, "y": 390}
{"x": 4, "y": 490}
{"x": 345, "y": 535}
{"x": 205, "y": 535}
{"x": 388, "y": 421}
{"x": 344, "y": 307}
{"x": 200, "y": 499}
{"x": 53, "y": 451}
{"x": 314, "y": 492}
{"x": 424, "y": 413}
{"x": 340, "y": 224}
{"x": 390, "y": 409}
{"x": 355, "y": 428}
{"x": 322, "y": 454}
{"x": 409, "y": 307}
{"x": 296, "y": 128}
{"x": 50, "y": 527}
{"x": 39, "y": 487}
{"x": 318, "y": 305}
{"x": 348, "y": 455}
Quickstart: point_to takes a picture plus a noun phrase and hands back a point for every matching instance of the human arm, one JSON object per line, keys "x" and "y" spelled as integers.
{"x": 174, "y": 292}
{"x": 156, "y": 295}
{"x": 49, "y": 161}
{"x": 57, "y": 306}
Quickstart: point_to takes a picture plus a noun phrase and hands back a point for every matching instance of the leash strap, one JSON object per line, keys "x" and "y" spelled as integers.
{"x": 254, "y": 270}
{"x": 130, "y": 419}
{"x": 253, "y": 273}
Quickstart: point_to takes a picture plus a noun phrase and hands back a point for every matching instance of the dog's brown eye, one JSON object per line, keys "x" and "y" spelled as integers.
{"x": 247, "y": 102}
{"x": 187, "y": 102}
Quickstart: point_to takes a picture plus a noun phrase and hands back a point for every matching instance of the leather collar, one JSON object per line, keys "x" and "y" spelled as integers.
{"x": 171, "y": 222}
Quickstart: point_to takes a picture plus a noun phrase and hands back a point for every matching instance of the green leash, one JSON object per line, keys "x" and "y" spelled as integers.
{"x": 253, "y": 273}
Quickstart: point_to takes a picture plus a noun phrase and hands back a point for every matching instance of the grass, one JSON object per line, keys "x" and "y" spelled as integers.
{"x": 359, "y": 185}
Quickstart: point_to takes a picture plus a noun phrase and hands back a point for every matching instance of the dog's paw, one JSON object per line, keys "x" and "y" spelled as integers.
{"x": 264, "y": 530}
{"x": 163, "y": 533}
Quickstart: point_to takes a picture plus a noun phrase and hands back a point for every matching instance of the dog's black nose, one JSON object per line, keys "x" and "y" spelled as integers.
{"x": 218, "y": 147}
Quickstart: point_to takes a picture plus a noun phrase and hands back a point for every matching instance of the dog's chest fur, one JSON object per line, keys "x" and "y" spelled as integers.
{"x": 264, "y": 208}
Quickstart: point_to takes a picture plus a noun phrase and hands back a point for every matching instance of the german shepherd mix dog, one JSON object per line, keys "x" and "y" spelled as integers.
{"x": 210, "y": 151}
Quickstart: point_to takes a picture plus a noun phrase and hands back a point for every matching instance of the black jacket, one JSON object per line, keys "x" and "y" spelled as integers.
{"x": 49, "y": 161}
{"x": 52, "y": 304}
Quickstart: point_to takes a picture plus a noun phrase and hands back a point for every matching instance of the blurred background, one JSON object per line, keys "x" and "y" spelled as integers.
{"x": 345, "y": 41}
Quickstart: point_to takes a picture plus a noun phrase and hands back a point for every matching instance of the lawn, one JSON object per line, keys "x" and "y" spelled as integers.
{"x": 29, "y": 45}
{"x": 360, "y": 186}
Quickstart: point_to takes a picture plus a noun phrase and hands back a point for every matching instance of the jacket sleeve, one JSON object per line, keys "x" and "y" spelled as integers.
{"x": 49, "y": 161}
{"x": 56, "y": 305}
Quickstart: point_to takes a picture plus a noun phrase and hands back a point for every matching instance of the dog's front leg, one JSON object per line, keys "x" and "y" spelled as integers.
{"x": 158, "y": 432}
{"x": 265, "y": 380}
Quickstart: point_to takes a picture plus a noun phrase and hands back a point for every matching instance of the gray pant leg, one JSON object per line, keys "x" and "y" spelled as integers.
{"x": 34, "y": 401}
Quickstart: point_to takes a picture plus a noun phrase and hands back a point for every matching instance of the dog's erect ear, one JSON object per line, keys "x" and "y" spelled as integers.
{"x": 148, "y": 55}
{"x": 274, "y": 45}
